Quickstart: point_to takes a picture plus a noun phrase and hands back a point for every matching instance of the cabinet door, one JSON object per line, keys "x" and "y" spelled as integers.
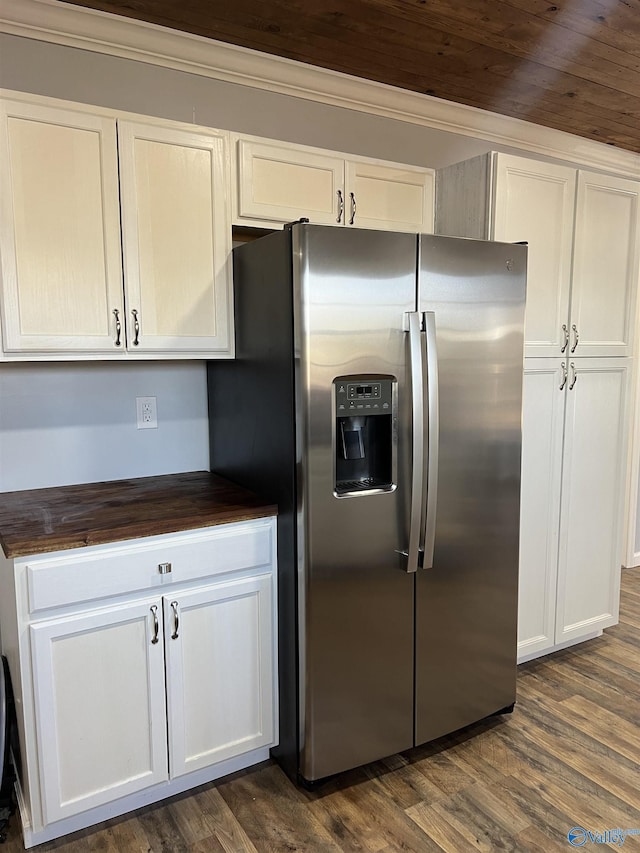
{"x": 176, "y": 240}
{"x": 544, "y": 396}
{"x": 59, "y": 230}
{"x": 534, "y": 203}
{"x": 220, "y": 672}
{"x": 593, "y": 483}
{"x": 606, "y": 265}
{"x": 279, "y": 183}
{"x": 391, "y": 198}
{"x": 100, "y": 706}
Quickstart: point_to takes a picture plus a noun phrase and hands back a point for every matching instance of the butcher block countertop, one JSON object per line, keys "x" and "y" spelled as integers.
{"x": 41, "y": 520}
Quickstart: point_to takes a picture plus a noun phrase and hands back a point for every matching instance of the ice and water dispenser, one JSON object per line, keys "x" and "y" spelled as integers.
{"x": 363, "y": 440}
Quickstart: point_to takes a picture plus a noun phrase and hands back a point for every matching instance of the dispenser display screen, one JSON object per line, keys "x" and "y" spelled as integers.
{"x": 372, "y": 397}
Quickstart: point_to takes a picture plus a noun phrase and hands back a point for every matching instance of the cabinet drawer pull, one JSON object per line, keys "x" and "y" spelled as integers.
{"x": 564, "y": 376}
{"x": 565, "y": 332}
{"x": 340, "y": 206}
{"x": 136, "y": 327}
{"x": 164, "y": 568}
{"x": 116, "y": 314}
{"x": 176, "y": 620}
{"x": 156, "y": 624}
{"x": 574, "y": 378}
{"x": 577, "y": 338}
{"x": 353, "y": 208}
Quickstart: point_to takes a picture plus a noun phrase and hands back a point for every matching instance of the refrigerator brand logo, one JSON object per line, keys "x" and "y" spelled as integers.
{"x": 579, "y": 837}
{"x": 509, "y": 264}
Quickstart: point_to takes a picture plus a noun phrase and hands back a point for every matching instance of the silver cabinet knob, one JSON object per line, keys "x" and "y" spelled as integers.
{"x": 164, "y": 568}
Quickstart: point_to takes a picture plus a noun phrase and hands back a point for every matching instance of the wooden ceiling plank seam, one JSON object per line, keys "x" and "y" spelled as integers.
{"x": 619, "y": 30}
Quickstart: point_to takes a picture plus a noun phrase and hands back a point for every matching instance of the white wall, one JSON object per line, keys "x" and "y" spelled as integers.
{"x": 75, "y": 423}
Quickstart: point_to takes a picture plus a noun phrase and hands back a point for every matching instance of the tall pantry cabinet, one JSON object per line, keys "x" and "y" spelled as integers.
{"x": 583, "y": 235}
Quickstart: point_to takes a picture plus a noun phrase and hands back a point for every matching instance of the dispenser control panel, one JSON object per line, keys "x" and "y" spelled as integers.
{"x": 359, "y": 395}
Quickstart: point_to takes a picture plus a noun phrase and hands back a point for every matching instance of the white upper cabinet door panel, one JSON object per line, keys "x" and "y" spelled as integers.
{"x": 279, "y": 183}
{"x": 605, "y": 265}
{"x": 176, "y": 239}
{"x": 391, "y": 198}
{"x": 59, "y": 230}
{"x": 533, "y": 203}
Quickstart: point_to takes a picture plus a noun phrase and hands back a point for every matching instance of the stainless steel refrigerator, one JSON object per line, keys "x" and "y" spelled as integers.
{"x": 376, "y": 395}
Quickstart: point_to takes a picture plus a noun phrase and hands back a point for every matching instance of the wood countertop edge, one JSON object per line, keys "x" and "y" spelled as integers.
{"x": 51, "y": 543}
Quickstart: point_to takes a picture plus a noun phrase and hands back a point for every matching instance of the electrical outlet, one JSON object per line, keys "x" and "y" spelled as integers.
{"x": 147, "y": 412}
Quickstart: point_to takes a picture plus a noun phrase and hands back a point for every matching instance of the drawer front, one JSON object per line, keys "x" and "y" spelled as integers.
{"x": 72, "y": 577}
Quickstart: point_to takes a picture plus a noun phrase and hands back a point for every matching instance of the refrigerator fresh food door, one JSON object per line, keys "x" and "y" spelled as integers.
{"x": 352, "y": 290}
{"x": 473, "y": 296}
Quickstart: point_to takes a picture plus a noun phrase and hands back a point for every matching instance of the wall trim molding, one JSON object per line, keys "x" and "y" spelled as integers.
{"x": 87, "y": 29}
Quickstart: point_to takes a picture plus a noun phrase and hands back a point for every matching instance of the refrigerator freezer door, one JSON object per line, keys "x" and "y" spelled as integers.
{"x": 466, "y": 604}
{"x": 352, "y": 289}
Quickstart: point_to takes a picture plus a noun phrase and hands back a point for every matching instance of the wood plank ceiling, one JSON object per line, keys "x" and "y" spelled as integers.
{"x": 573, "y": 65}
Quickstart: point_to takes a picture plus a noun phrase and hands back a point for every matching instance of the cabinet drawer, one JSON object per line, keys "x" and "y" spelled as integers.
{"x": 71, "y": 577}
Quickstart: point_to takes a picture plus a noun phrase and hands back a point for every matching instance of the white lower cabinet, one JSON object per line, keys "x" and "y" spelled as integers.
{"x": 99, "y": 707}
{"x": 219, "y": 664}
{"x": 575, "y": 438}
{"x": 129, "y": 698}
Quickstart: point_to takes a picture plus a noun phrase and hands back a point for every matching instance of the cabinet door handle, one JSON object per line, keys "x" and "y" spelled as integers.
{"x": 116, "y": 314}
{"x": 136, "y": 327}
{"x": 574, "y": 329}
{"x": 156, "y": 624}
{"x": 340, "y": 206}
{"x": 176, "y": 620}
{"x": 353, "y": 208}
{"x": 564, "y": 376}
{"x": 574, "y": 378}
{"x": 565, "y": 332}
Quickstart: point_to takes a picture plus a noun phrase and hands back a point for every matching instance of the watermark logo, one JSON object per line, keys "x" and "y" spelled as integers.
{"x": 578, "y": 836}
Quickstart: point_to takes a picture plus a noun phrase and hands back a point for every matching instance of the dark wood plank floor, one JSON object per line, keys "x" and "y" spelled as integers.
{"x": 568, "y": 756}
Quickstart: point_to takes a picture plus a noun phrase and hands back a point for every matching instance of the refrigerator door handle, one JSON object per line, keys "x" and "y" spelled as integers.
{"x": 433, "y": 438}
{"x": 412, "y": 553}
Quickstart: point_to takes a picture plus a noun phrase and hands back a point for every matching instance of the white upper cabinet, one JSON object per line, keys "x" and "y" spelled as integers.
{"x": 390, "y": 198}
{"x": 583, "y": 233}
{"x": 74, "y": 199}
{"x": 282, "y": 183}
{"x": 534, "y": 204}
{"x": 59, "y": 229}
{"x": 277, "y": 183}
{"x": 606, "y": 262}
{"x": 176, "y": 239}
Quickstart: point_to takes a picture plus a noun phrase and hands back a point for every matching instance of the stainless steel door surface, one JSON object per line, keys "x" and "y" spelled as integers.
{"x": 466, "y": 604}
{"x": 356, "y": 609}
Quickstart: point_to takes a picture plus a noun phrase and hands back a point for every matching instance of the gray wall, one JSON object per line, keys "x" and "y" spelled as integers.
{"x": 64, "y": 423}
{"x": 78, "y": 75}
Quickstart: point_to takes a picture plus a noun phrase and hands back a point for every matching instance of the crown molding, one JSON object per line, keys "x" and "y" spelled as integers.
{"x": 87, "y": 29}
